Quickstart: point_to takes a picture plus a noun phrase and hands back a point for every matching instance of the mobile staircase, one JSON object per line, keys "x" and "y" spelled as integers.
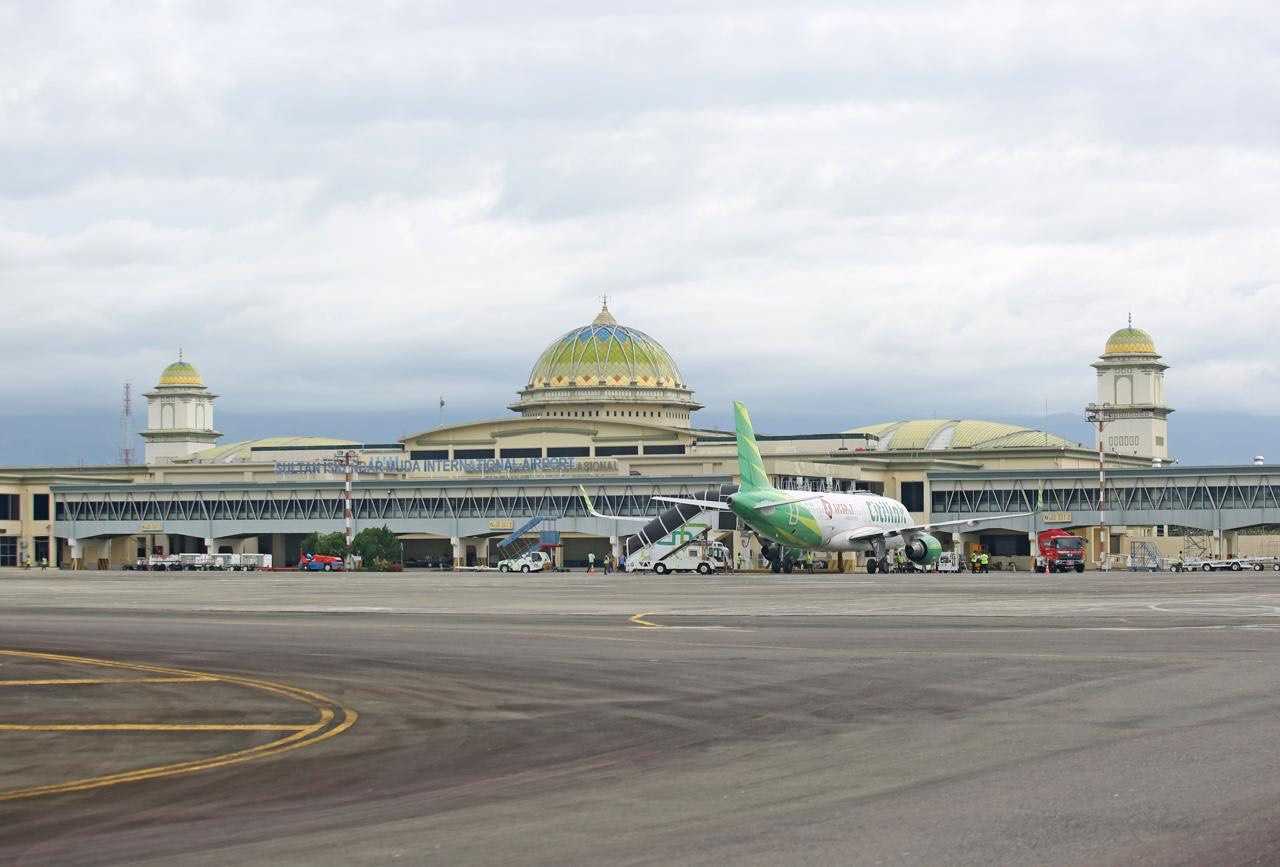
{"x": 1145, "y": 557}
{"x": 672, "y": 520}
{"x": 515, "y": 544}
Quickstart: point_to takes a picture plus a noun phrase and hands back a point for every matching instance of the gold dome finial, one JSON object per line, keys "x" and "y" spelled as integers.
{"x": 604, "y": 317}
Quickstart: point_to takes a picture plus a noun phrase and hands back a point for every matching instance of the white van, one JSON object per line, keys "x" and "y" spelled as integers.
{"x": 532, "y": 561}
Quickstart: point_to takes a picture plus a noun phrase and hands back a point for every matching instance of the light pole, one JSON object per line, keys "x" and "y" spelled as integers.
{"x": 1100, "y": 415}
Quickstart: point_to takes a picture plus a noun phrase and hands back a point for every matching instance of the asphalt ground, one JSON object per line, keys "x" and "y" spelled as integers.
{"x": 477, "y": 718}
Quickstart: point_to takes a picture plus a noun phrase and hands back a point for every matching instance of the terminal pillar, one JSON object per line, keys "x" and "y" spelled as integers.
{"x": 615, "y": 545}
{"x": 76, "y": 553}
{"x": 458, "y": 556}
{"x": 278, "y": 553}
{"x": 210, "y": 546}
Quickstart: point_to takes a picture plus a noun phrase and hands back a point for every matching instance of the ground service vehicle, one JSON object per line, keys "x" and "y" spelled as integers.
{"x": 697, "y": 556}
{"x": 1060, "y": 550}
{"x": 530, "y": 561}
{"x": 202, "y": 563}
{"x": 1234, "y": 564}
{"x": 320, "y": 563}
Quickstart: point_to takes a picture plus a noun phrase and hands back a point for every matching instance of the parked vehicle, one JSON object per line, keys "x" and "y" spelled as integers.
{"x": 530, "y": 561}
{"x": 320, "y": 563}
{"x": 1233, "y": 564}
{"x": 202, "y": 563}
{"x": 1059, "y": 549}
{"x": 698, "y": 556}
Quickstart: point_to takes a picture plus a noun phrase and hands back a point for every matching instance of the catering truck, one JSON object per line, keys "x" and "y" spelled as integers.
{"x": 1059, "y": 551}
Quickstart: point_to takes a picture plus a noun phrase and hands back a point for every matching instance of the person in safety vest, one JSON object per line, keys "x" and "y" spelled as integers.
{"x": 985, "y": 559}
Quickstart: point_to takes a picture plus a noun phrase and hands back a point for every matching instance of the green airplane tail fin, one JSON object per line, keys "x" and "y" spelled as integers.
{"x": 750, "y": 465}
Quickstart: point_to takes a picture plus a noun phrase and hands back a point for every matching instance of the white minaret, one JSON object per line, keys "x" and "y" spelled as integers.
{"x": 1131, "y": 395}
{"x": 179, "y": 415}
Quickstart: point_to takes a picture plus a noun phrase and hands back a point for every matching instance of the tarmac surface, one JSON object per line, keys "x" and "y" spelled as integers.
{"x": 477, "y": 718}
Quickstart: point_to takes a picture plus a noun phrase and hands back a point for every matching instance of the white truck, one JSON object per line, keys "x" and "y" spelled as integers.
{"x": 699, "y": 556}
{"x": 530, "y": 561}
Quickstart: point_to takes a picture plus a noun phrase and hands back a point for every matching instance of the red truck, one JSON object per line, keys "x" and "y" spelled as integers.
{"x": 1062, "y": 551}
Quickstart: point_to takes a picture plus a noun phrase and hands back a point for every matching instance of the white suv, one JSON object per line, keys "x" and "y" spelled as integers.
{"x": 533, "y": 561}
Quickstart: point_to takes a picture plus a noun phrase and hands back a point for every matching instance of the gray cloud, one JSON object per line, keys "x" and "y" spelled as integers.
{"x": 904, "y": 208}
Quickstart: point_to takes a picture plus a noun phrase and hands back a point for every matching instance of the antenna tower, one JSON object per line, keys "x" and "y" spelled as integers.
{"x": 126, "y": 426}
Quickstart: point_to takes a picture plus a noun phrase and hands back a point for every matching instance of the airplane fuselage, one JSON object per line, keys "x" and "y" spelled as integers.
{"x": 824, "y": 523}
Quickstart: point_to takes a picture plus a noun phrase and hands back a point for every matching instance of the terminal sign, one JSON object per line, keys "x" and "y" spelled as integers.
{"x": 1056, "y": 517}
{"x": 477, "y": 466}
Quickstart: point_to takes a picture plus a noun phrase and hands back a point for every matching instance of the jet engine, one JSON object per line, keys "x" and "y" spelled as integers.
{"x": 923, "y": 549}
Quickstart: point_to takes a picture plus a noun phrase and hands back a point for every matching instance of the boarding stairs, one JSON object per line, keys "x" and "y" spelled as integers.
{"x": 1145, "y": 557}
{"x": 673, "y": 519}
{"x": 514, "y": 545}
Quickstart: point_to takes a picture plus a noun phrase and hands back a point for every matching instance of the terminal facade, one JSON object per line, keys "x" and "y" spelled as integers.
{"x": 606, "y": 407}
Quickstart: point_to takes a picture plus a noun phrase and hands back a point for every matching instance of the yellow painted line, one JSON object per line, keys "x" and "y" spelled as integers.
{"x": 82, "y": 681}
{"x": 148, "y": 727}
{"x": 638, "y": 620}
{"x": 321, "y": 730}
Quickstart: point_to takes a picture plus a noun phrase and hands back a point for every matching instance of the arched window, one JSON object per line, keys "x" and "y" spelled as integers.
{"x": 1124, "y": 390}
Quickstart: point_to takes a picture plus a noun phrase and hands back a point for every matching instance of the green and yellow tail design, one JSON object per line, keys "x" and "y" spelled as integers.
{"x": 750, "y": 465}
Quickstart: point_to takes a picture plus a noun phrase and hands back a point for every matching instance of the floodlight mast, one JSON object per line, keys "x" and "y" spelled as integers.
{"x": 1100, "y": 415}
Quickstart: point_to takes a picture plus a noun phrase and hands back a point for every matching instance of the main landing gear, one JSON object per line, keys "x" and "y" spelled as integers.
{"x": 880, "y": 562}
{"x": 780, "y": 559}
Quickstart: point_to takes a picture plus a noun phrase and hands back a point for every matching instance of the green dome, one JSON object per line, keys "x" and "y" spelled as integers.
{"x": 605, "y": 354}
{"x": 181, "y": 373}
{"x": 938, "y": 434}
{"x": 1130, "y": 341}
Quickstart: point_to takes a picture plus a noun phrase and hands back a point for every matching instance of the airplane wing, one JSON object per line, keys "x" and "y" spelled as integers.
{"x": 937, "y": 525}
{"x": 703, "y": 504}
{"x": 591, "y": 509}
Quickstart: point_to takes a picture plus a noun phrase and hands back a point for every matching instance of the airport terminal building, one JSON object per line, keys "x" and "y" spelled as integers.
{"x": 606, "y": 407}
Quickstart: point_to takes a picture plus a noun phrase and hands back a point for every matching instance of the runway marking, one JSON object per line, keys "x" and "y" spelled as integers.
{"x": 638, "y": 620}
{"x": 331, "y": 720}
{"x": 84, "y": 681}
{"x": 148, "y": 727}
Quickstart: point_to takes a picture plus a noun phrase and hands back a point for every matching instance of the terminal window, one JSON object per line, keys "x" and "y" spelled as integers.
{"x": 611, "y": 451}
{"x": 472, "y": 454}
{"x": 429, "y": 455}
{"x": 10, "y": 509}
{"x": 8, "y": 551}
{"x": 39, "y": 507}
{"x": 912, "y": 496}
{"x": 568, "y": 452}
{"x": 664, "y": 450}
{"x": 522, "y": 453}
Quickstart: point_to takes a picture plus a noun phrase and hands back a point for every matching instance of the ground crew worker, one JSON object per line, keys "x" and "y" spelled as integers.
{"x": 608, "y": 562}
{"x": 808, "y": 562}
{"x": 985, "y": 559}
{"x": 591, "y": 562}
{"x": 973, "y": 560}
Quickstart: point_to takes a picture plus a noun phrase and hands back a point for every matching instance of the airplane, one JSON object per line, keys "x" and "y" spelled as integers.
{"x": 832, "y": 522}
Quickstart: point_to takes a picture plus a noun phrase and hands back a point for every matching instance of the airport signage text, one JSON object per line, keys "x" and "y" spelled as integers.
{"x": 1056, "y": 517}
{"x": 470, "y": 466}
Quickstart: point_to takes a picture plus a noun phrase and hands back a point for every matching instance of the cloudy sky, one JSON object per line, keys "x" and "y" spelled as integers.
{"x": 841, "y": 212}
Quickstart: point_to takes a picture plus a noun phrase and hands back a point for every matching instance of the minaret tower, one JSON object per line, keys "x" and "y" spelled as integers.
{"x": 179, "y": 415}
{"x": 1131, "y": 396}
